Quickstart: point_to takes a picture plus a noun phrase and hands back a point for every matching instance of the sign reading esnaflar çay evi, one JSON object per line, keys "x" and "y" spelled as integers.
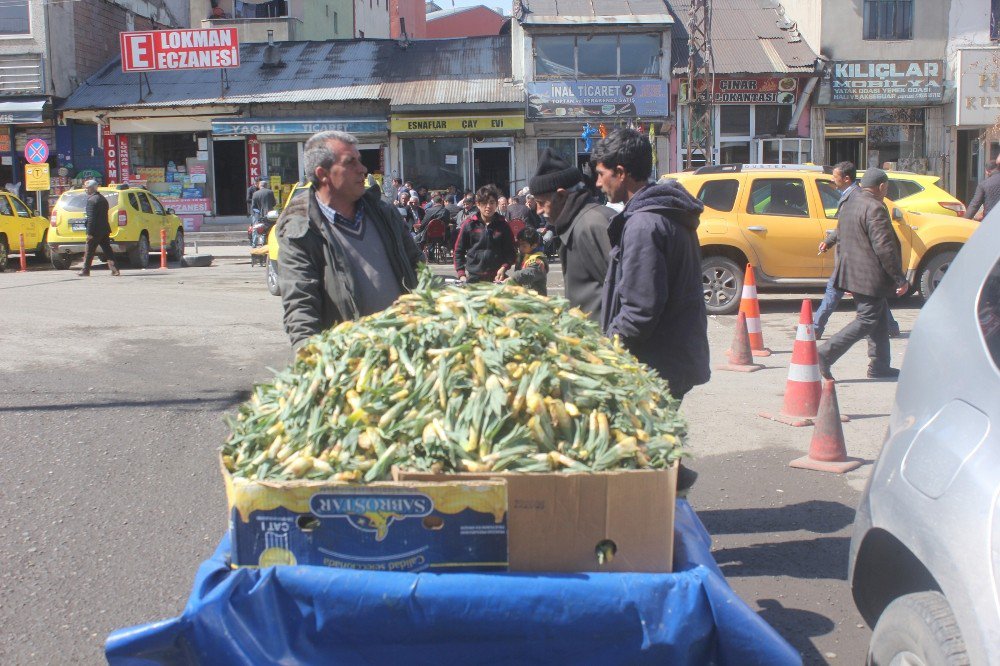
{"x": 156, "y": 50}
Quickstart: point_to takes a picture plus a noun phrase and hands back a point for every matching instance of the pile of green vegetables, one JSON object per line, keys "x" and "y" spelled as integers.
{"x": 485, "y": 378}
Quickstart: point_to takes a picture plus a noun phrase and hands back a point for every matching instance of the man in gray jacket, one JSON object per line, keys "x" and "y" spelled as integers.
{"x": 344, "y": 253}
{"x": 869, "y": 265}
{"x": 987, "y": 193}
{"x": 582, "y": 225}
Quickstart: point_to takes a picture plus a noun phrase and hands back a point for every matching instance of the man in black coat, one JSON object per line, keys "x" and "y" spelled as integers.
{"x": 262, "y": 200}
{"x": 98, "y": 230}
{"x": 582, "y": 225}
{"x": 869, "y": 265}
{"x": 987, "y": 193}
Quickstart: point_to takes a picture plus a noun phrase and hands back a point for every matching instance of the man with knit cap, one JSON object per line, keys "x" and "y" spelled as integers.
{"x": 869, "y": 265}
{"x": 582, "y": 225}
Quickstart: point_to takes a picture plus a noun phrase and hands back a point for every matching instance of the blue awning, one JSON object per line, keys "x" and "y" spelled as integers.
{"x": 247, "y": 126}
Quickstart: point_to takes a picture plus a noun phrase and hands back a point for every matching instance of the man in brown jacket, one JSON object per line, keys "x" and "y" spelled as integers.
{"x": 869, "y": 265}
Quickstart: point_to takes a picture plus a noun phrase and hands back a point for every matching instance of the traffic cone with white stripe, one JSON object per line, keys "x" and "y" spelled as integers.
{"x": 802, "y": 392}
{"x": 740, "y": 355}
{"x": 750, "y": 305}
{"x": 827, "y": 449}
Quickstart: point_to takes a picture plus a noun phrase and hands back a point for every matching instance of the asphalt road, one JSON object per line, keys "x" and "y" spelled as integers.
{"x": 112, "y": 397}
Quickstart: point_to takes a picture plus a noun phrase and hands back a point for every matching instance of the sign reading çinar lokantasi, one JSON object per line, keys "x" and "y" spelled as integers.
{"x": 155, "y": 50}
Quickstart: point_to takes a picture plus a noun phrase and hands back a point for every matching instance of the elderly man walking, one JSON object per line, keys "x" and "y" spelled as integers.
{"x": 345, "y": 253}
{"x": 98, "y": 230}
{"x": 869, "y": 265}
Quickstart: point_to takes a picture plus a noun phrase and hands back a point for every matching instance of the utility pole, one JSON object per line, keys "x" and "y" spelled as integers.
{"x": 700, "y": 83}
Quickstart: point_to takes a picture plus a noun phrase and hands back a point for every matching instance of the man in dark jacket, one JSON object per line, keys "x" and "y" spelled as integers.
{"x": 582, "y": 225}
{"x": 653, "y": 297}
{"x": 98, "y": 230}
{"x": 987, "y": 193}
{"x": 262, "y": 200}
{"x": 485, "y": 244}
{"x": 869, "y": 265}
{"x": 252, "y": 190}
{"x": 344, "y": 252}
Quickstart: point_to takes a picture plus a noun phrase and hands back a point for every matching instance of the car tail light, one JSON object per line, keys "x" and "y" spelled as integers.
{"x": 954, "y": 206}
{"x": 122, "y": 217}
{"x": 53, "y": 219}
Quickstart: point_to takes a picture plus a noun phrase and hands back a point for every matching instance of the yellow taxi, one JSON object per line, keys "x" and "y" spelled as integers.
{"x": 920, "y": 192}
{"x": 272, "y": 249}
{"x": 774, "y": 218}
{"x": 136, "y": 218}
{"x": 16, "y": 219}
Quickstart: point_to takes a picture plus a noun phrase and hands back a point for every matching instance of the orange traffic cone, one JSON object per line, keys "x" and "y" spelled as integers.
{"x": 802, "y": 391}
{"x": 740, "y": 355}
{"x": 827, "y": 450}
{"x": 750, "y": 306}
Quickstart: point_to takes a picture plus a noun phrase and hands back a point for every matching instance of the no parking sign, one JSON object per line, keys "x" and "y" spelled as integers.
{"x": 36, "y": 151}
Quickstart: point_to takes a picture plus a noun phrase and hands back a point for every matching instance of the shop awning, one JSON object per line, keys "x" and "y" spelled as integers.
{"x": 22, "y": 112}
{"x": 264, "y": 126}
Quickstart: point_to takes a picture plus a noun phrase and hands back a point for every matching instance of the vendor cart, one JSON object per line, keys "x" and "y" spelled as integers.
{"x": 317, "y": 615}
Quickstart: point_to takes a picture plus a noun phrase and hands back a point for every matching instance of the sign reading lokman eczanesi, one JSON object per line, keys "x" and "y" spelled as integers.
{"x": 888, "y": 82}
{"x": 597, "y": 99}
{"x": 154, "y": 50}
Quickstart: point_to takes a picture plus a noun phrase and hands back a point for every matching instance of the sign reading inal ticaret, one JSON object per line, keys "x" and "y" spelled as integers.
{"x": 155, "y": 50}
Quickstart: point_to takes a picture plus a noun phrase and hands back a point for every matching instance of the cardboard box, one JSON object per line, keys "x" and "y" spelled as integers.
{"x": 556, "y": 521}
{"x": 457, "y": 525}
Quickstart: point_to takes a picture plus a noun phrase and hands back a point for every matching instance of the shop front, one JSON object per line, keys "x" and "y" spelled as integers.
{"x": 250, "y": 149}
{"x": 757, "y": 119}
{"x": 881, "y": 113}
{"x": 570, "y": 116}
{"x": 976, "y": 139}
{"x": 436, "y": 151}
{"x": 20, "y": 121}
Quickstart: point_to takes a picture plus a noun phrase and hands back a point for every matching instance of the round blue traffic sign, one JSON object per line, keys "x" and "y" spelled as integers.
{"x": 36, "y": 151}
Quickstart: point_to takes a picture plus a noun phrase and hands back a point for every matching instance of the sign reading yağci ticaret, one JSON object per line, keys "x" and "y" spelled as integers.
{"x": 156, "y": 50}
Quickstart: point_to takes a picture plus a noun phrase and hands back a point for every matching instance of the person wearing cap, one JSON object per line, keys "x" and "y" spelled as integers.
{"x": 582, "y": 225}
{"x": 98, "y": 230}
{"x": 869, "y": 265}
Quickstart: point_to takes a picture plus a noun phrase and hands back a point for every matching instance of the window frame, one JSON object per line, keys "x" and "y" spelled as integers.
{"x": 20, "y": 207}
{"x": 719, "y": 181}
{"x": 994, "y": 20}
{"x": 578, "y": 75}
{"x": 20, "y": 35}
{"x": 772, "y": 179}
{"x": 872, "y": 19}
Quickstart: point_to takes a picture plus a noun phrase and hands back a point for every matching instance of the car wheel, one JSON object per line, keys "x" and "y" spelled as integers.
{"x": 61, "y": 262}
{"x": 176, "y": 251}
{"x": 917, "y": 630}
{"x": 42, "y": 251}
{"x": 934, "y": 272}
{"x": 138, "y": 256}
{"x": 272, "y": 278}
{"x": 722, "y": 285}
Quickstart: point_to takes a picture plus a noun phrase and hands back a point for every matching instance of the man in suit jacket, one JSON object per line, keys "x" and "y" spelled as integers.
{"x": 869, "y": 265}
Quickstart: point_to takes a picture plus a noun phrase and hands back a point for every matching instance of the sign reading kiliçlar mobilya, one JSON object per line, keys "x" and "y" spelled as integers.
{"x": 155, "y": 50}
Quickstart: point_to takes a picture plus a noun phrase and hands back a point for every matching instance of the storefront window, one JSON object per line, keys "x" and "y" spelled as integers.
{"x": 282, "y": 159}
{"x": 771, "y": 120}
{"x": 734, "y": 153}
{"x": 895, "y": 144}
{"x": 879, "y": 136}
{"x": 436, "y": 163}
{"x": 597, "y": 55}
{"x": 844, "y": 116}
{"x": 555, "y": 56}
{"x": 168, "y": 166}
{"x": 564, "y": 148}
{"x": 734, "y": 121}
{"x": 640, "y": 54}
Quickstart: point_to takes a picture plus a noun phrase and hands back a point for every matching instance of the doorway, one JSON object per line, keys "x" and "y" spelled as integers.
{"x": 845, "y": 150}
{"x": 230, "y": 176}
{"x": 491, "y": 166}
{"x": 372, "y": 159}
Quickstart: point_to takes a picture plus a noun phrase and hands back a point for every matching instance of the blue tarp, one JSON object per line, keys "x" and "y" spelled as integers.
{"x": 317, "y": 615}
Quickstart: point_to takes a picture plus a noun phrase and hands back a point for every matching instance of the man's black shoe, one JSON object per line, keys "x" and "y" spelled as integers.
{"x": 824, "y": 366}
{"x": 818, "y": 332}
{"x": 882, "y": 373}
{"x": 894, "y": 330}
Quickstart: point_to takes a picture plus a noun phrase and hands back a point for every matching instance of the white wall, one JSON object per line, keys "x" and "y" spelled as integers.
{"x": 808, "y": 16}
{"x": 372, "y": 20}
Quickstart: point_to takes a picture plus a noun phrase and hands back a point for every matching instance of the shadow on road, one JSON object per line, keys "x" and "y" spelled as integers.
{"x": 226, "y": 400}
{"x": 825, "y": 557}
{"x": 819, "y": 516}
{"x": 797, "y": 627}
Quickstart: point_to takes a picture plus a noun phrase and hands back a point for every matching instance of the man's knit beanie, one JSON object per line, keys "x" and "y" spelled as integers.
{"x": 874, "y": 178}
{"x": 553, "y": 173}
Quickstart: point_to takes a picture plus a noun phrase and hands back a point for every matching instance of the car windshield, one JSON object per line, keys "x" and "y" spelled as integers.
{"x": 76, "y": 202}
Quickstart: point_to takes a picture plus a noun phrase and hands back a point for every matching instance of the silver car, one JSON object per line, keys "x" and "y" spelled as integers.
{"x": 925, "y": 555}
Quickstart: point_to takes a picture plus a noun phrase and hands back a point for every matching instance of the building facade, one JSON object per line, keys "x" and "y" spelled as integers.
{"x": 294, "y": 20}
{"x": 463, "y": 22}
{"x": 414, "y": 18}
{"x": 590, "y": 70}
{"x": 882, "y": 100}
